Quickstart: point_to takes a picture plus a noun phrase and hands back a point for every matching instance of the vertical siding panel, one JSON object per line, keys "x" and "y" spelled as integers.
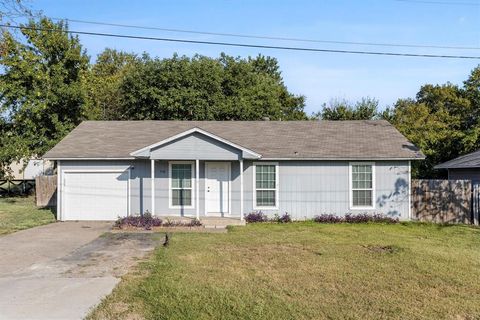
{"x": 196, "y": 146}
{"x": 307, "y": 188}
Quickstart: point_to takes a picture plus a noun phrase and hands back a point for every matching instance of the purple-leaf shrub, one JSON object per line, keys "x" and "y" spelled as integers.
{"x": 327, "y": 218}
{"x": 194, "y": 223}
{"x": 147, "y": 221}
{"x": 284, "y": 218}
{"x": 354, "y": 218}
{"x": 257, "y": 216}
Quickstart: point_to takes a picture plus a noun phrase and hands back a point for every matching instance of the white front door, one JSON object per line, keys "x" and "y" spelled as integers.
{"x": 217, "y": 188}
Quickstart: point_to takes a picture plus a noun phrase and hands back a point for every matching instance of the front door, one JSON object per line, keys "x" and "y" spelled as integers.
{"x": 217, "y": 188}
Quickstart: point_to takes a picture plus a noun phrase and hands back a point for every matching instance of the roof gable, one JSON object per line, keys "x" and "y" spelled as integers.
{"x": 146, "y": 151}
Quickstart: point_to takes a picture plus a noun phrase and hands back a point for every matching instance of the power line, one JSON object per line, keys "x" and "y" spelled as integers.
{"x": 246, "y": 45}
{"x": 456, "y": 3}
{"x": 236, "y": 35}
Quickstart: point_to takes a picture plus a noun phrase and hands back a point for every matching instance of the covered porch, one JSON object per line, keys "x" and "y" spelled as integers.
{"x": 196, "y": 175}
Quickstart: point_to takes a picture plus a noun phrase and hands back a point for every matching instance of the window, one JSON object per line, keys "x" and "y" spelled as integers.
{"x": 266, "y": 179}
{"x": 362, "y": 185}
{"x": 181, "y": 184}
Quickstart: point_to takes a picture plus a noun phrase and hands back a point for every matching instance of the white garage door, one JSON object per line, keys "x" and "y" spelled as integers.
{"x": 95, "y": 195}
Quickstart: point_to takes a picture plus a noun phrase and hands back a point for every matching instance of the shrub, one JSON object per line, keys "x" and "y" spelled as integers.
{"x": 327, "y": 218}
{"x": 178, "y": 223}
{"x": 257, "y": 216}
{"x": 285, "y": 218}
{"x": 146, "y": 221}
{"x": 354, "y": 218}
{"x": 194, "y": 223}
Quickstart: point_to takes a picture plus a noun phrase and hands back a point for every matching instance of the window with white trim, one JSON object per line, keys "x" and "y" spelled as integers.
{"x": 266, "y": 185}
{"x": 362, "y": 185}
{"x": 181, "y": 184}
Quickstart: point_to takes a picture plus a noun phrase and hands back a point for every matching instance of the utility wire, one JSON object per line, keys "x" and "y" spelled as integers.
{"x": 246, "y": 45}
{"x": 236, "y": 35}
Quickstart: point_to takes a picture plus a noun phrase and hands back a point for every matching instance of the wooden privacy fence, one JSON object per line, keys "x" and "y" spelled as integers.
{"x": 10, "y": 188}
{"x": 46, "y": 191}
{"x": 442, "y": 201}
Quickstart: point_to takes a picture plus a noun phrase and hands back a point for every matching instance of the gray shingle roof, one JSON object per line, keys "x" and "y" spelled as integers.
{"x": 471, "y": 160}
{"x": 373, "y": 139}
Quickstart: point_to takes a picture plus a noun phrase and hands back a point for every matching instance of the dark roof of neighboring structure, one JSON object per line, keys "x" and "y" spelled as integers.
{"x": 368, "y": 139}
{"x": 471, "y": 160}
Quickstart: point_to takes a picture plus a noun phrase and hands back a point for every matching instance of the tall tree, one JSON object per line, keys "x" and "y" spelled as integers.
{"x": 442, "y": 121}
{"x": 103, "y": 84}
{"x": 41, "y": 88}
{"x": 365, "y": 109}
{"x": 203, "y": 88}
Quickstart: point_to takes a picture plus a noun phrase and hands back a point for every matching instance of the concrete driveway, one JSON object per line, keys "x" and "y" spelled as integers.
{"x": 62, "y": 270}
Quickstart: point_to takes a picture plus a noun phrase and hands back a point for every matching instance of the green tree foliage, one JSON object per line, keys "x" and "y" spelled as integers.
{"x": 365, "y": 109}
{"x": 203, "y": 88}
{"x": 47, "y": 87}
{"x": 443, "y": 121}
{"x": 41, "y": 89}
{"x": 103, "y": 83}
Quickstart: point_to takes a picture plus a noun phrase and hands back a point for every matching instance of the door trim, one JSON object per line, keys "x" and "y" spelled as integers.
{"x": 229, "y": 165}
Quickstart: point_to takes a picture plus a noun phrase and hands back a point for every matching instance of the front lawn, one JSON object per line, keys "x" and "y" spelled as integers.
{"x": 21, "y": 213}
{"x": 307, "y": 271}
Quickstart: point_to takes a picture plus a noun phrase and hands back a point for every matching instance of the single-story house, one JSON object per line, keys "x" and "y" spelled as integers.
{"x": 108, "y": 169}
{"x": 466, "y": 167}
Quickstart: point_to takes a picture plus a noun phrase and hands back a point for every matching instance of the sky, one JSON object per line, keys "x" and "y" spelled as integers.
{"x": 320, "y": 77}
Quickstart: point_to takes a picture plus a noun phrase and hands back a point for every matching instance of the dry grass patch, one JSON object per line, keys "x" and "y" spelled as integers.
{"x": 306, "y": 271}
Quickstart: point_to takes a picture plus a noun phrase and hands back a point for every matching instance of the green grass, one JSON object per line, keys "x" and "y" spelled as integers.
{"x": 21, "y": 213}
{"x": 307, "y": 271}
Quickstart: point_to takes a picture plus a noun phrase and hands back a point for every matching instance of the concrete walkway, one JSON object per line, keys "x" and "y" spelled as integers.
{"x": 62, "y": 270}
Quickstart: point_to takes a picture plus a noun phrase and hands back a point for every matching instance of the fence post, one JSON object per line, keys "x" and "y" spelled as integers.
{"x": 476, "y": 204}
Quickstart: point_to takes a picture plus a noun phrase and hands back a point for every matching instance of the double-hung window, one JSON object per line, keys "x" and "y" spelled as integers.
{"x": 266, "y": 185}
{"x": 181, "y": 184}
{"x": 362, "y": 185}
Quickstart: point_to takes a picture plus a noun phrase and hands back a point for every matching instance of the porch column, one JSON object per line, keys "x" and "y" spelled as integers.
{"x": 197, "y": 187}
{"x": 241, "y": 189}
{"x": 152, "y": 184}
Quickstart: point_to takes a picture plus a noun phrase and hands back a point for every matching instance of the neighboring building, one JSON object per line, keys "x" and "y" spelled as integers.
{"x": 466, "y": 167}
{"x": 108, "y": 169}
{"x": 34, "y": 168}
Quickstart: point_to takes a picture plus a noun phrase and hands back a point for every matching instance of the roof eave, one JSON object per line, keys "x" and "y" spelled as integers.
{"x": 86, "y": 158}
{"x": 345, "y": 158}
{"x": 440, "y": 167}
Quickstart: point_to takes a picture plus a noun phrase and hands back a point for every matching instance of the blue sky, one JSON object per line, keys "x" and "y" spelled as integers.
{"x": 321, "y": 77}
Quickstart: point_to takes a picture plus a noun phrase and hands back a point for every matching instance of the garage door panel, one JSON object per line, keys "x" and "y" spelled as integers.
{"x": 95, "y": 195}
